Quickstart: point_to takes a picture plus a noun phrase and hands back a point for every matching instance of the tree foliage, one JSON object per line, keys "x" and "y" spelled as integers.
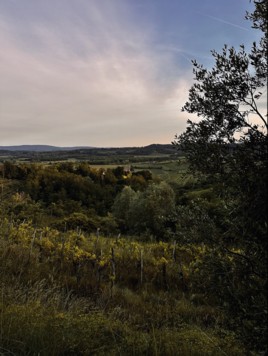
{"x": 228, "y": 144}
{"x": 227, "y": 99}
{"x": 229, "y": 141}
{"x": 147, "y": 211}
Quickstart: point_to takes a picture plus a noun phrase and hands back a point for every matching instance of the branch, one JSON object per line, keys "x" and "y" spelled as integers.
{"x": 253, "y": 105}
{"x": 245, "y": 258}
{"x": 257, "y": 111}
{"x": 247, "y": 124}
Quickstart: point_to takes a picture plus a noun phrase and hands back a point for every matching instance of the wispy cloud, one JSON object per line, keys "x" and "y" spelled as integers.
{"x": 85, "y": 83}
{"x": 226, "y": 22}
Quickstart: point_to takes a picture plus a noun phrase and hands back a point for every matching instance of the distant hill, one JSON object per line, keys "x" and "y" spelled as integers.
{"x": 150, "y": 149}
{"x": 40, "y": 148}
{"x": 95, "y": 155}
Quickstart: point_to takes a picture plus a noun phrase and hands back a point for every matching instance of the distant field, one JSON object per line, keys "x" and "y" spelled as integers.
{"x": 164, "y": 161}
{"x": 168, "y": 170}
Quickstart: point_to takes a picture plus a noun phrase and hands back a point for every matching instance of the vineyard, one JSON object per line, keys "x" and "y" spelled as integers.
{"x": 71, "y": 294}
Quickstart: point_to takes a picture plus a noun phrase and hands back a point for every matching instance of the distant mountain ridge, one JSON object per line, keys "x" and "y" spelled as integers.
{"x": 96, "y": 155}
{"x": 48, "y": 148}
{"x": 41, "y": 148}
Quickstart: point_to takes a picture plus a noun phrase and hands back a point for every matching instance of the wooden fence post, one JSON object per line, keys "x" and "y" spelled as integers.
{"x": 174, "y": 251}
{"x": 32, "y": 242}
{"x": 113, "y": 271}
{"x": 141, "y": 257}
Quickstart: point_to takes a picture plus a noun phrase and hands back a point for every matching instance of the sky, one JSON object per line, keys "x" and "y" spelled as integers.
{"x": 107, "y": 73}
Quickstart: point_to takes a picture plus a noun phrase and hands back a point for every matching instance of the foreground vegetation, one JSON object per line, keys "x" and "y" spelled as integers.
{"x": 72, "y": 294}
{"x": 121, "y": 263}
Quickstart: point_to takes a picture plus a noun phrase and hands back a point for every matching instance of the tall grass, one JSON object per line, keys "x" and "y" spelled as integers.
{"x": 56, "y": 297}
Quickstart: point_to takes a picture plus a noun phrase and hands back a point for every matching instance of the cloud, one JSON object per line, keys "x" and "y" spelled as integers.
{"x": 88, "y": 79}
{"x": 226, "y": 22}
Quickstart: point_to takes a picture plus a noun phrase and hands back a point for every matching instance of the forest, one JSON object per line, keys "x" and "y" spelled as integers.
{"x": 115, "y": 259}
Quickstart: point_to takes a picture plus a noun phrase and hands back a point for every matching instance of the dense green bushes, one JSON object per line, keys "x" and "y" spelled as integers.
{"x": 67, "y": 189}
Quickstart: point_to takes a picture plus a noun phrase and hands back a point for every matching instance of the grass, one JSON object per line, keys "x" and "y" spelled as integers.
{"x": 34, "y": 327}
{"x": 64, "y": 302}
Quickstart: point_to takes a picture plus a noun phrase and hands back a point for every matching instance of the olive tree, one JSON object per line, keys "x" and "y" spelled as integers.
{"x": 229, "y": 140}
{"x": 228, "y": 143}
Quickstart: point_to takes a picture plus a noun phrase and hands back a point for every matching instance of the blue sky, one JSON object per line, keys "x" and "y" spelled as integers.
{"x": 106, "y": 72}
